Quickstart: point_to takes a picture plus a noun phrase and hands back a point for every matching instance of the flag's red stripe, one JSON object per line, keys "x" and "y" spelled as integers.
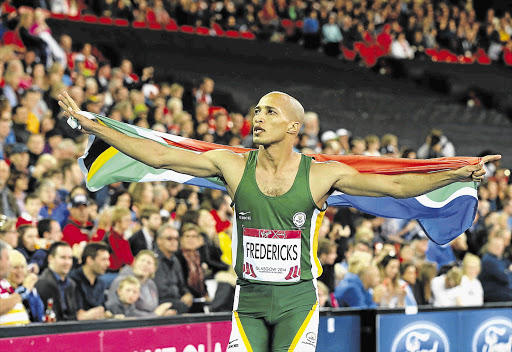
{"x": 365, "y": 164}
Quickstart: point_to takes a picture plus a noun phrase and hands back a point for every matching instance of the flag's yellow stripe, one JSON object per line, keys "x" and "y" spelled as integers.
{"x": 100, "y": 161}
{"x": 319, "y": 220}
{"x": 302, "y": 328}
{"x": 242, "y": 333}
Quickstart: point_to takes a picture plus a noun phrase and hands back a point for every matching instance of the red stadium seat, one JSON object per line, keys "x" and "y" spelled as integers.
{"x": 348, "y": 54}
{"x": 121, "y": 22}
{"x": 106, "y": 20}
{"x": 139, "y": 24}
{"x": 90, "y": 18}
{"x": 232, "y": 34}
{"x": 58, "y": 16}
{"x": 8, "y": 8}
{"x": 218, "y": 29}
{"x": 248, "y": 35}
{"x": 172, "y": 26}
{"x": 187, "y": 29}
{"x": 287, "y": 23}
{"x": 203, "y": 30}
{"x": 155, "y": 25}
{"x": 74, "y": 18}
{"x": 299, "y": 24}
{"x": 482, "y": 58}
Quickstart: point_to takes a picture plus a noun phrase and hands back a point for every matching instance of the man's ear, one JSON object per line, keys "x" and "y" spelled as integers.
{"x": 294, "y": 127}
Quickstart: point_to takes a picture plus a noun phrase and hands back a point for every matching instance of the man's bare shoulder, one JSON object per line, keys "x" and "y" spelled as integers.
{"x": 227, "y": 160}
{"x": 330, "y": 166}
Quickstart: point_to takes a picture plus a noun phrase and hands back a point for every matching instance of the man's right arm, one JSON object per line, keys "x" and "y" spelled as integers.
{"x": 148, "y": 151}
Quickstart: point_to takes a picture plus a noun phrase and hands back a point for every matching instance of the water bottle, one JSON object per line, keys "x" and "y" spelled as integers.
{"x": 49, "y": 314}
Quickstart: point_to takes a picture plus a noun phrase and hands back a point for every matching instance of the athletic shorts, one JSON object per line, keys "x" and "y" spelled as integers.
{"x": 277, "y": 318}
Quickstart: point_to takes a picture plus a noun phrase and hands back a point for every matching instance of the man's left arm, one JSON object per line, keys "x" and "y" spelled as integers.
{"x": 407, "y": 185}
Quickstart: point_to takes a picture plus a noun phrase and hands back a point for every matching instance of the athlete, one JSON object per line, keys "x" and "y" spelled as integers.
{"x": 279, "y": 200}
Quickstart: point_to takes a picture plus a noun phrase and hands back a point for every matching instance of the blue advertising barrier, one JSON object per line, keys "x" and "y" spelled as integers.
{"x": 479, "y": 330}
{"x": 339, "y": 333}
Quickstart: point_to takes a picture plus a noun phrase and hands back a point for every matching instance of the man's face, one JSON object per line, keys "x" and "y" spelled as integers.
{"x": 21, "y": 115}
{"x": 168, "y": 241}
{"x": 20, "y": 160}
{"x": 33, "y": 206}
{"x": 101, "y": 263}
{"x": 5, "y": 264}
{"x": 36, "y": 144}
{"x": 4, "y": 172}
{"x": 55, "y": 233}
{"x": 81, "y": 213}
{"x": 62, "y": 262}
{"x": 5, "y": 128}
{"x": 29, "y": 238}
{"x": 154, "y": 221}
{"x": 270, "y": 123}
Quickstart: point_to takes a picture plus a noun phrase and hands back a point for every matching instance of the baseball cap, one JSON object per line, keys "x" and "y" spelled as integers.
{"x": 18, "y": 148}
{"x": 328, "y": 135}
{"x": 343, "y": 132}
{"x": 79, "y": 200}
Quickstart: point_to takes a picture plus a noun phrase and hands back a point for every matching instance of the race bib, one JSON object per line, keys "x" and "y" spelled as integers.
{"x": 272, "y": 255}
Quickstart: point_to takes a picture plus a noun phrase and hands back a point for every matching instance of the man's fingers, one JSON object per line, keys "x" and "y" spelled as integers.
{"x": 71, "y": 102}
{"x": 491, "y": 158}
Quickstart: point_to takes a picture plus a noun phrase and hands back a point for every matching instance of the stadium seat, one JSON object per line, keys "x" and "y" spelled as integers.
{"x": 74, "y": 18}
{"x": 187, "y": 29}
{"x": 172, "y": 26}
{"x": 155, "y": 25}
{"x": 105, "y": 20}
{"x": 299, "y": 24}
{"x": 232, "y": 34}
{"x": 482, "y": 58}
{"x": 139, "y": 24}
{"x": 348, "y": 54}
{"x": 58, "y": 16}
{"x": 203, "y": 30}
{"x": 121, "y": 22}
{"x": 248, "y": 35}
{"x": 90, "y": 18}
{"x": 287, "y": 23}
{"x": 218, "y": 29}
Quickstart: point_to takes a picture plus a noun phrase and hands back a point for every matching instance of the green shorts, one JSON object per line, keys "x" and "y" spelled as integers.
{"x": 274, "y": 318}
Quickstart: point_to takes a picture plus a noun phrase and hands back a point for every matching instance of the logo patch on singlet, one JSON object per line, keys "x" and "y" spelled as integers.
{"x": 272, "y": 255}
{"x": 299, "y": 219}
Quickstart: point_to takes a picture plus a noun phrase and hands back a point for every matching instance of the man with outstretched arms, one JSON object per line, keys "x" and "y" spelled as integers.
{"x": 279, "y": 198}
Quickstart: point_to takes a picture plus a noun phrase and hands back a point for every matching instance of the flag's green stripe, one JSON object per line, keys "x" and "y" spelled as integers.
{"x": 443, "y": 193}
{"x": 121, "y": 168}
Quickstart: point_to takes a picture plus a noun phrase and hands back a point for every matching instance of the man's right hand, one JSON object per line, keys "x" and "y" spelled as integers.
{"x": 72, "y": 110}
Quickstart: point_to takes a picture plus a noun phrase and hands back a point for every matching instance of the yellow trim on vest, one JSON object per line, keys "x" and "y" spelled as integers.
{"x": 302, "y": 328}
{"x": 100, "y": 161}
{"x": 242, "y": 333}
{"x": 319, "y": 220}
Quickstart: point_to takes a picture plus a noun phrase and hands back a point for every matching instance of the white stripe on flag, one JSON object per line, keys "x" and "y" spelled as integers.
{"x": 466, "y": 191}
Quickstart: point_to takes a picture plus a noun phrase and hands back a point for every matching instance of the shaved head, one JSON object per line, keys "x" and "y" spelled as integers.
{"x": 291, "y": 107}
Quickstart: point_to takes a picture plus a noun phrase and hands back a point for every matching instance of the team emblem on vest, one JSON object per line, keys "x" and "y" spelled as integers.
{"x": 299, "y": 219}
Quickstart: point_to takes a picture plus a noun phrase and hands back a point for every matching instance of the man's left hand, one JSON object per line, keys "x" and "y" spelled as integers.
{"x": 476, "y": 172}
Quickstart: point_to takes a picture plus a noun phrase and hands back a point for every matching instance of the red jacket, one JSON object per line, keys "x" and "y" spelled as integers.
{"x": 76, "y": 232}
{"x": 121, "y": 253}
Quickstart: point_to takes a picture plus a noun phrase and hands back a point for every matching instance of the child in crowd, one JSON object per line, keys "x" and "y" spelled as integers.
{"x": 122, "y": 303}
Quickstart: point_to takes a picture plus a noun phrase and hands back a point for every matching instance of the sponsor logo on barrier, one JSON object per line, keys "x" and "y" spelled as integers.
{"x": 421, "y": 337}
{"x": 493, "y": 335}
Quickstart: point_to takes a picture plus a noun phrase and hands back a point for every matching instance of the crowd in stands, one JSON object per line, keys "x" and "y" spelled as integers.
{"x": 350, "y": 29}
{"x": 158, "y": 249}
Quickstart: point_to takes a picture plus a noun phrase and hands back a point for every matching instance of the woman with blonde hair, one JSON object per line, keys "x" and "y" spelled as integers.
{"x": 472, "y": 293}
{"x": 446, "y": 288}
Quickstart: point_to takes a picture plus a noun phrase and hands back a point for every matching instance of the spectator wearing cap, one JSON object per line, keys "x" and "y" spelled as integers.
{"x": 78, "y": 227}
{"x": 328, "y": 136}
{"x": 18, "y": 157}
{"x": 19, "y": 123}
{"x": 8, "y": 205}
{"x": 343, "y": 139}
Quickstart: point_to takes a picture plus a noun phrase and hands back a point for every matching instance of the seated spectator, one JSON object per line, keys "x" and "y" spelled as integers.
{"x": 12, "y": 311}
{"x": 427, "y": 271}
{"x": 145, "y": 238}
{"x": 325, "y": 298}
{"x": 353, "y": 290}
{"x": 55, "y": 283}
{"x": 408, "y": 275}
{"x": 144, "y": 268}
{"x": 31, "y": 214}
{"x": 446, "y": 289}
{"x": 49, "y": 232}
{"x": 332, "y": 37}
{"x": 210, "y": 251}
{"x": 472, "y": 293}
{"x": 121, "y": 253}
{"x": 327, "y": 254}
{"x": 311, "y": 31}
{"x": 51, "y": 206}
{"x": 8, "y": 234}
{"x": 90, "y": 291}
{"x": 23, "y": 283}
{"x": 78, "y": 226}
{"x": 34, "y": 255}
{"x": 122, "y": 303}
{"x": 494, "y": 275}
{"x": 401, "y": 49}
{"x": 8, "y": 205}
{"x": 169, "y": 280}
{"x": 392, "y": 293}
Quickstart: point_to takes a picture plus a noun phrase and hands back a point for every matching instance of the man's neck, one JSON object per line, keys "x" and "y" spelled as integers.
{"x": 62, "y": 277}
{"x": 167, "y": 254}
{"x": 276, "y": 157}
{"x": 89, "y": 274}
{"x": 147, "y": 230}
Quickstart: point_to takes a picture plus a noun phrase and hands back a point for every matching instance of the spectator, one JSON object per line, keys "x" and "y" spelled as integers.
{"x": 472, "y": 293}
{"x": 436, "y": 145}
{"x": 427, "y": 271}
{"x": 23, "y": 281}
{"x": 28, "y": 246}
{"x": 408, "y": 278}
{"x": 331, "y": 36}
{"x": 12, "y": 310}
{"x": 446, "y": 290}
{"x": 8, "y": 205}
{"x": 78, "y": 227}
{"x": 145, "y": 238}
{"x": 203, "y": 94}
{"x": 90, "y": 290}
{"x": 119, "y": 247}
{"x": 49, "y": 232}
{"x": 51, "y": 207}
{"x": 19, "y": 158}
{"x": 327, "y": 254}
{"x": 494, "y": 278}
{"x": 392, "y": 293}
{"x": 143, "y": 268}
{"x": 122, "y": 303}
{"x": 401, "y": 49}
{"x": 172, "y": 287}
{"x": 31, "y": 214}
{"x": 56, "y": 284}
{"x": 7, "y": 136}
{"x": 354, "y": 289}
{"x": 8, "y": 234}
